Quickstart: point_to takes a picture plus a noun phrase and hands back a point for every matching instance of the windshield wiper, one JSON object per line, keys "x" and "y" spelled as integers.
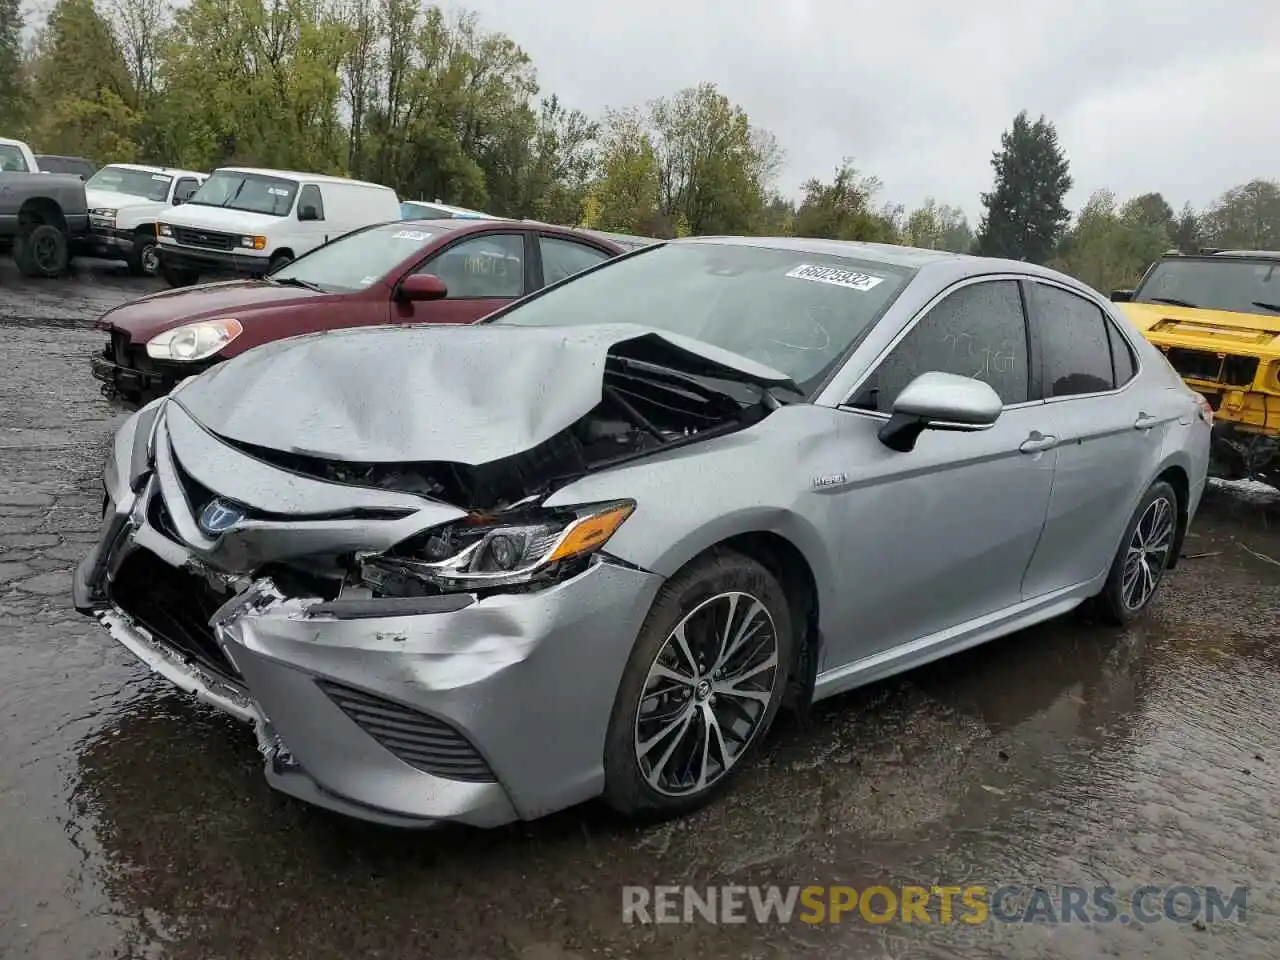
{"x": 1175, "y": 302}
{"x": 296, "y": 282}
{"x": 1267, "y": 306}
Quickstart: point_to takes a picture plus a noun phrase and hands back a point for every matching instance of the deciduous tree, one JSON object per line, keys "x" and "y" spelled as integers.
{"x": 1245, "y": 217}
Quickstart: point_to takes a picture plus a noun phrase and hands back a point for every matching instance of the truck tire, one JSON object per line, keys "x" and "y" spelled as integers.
{"x": 41, "y": 250}
{"x": 178, "y": 277}
{"x": 142, "y": 259}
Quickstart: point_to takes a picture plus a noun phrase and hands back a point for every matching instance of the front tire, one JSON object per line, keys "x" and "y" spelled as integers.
{"x": 41, "y": 250}
{"x": 1144, "y": 555}
{"x": 701, "y": 688}
{"x": 278, "y": 261}
{"x": 142, "y": 258}
{"x": 177, "y": 277}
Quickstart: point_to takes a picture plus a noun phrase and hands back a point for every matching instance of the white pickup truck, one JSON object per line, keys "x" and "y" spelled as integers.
{"x": 125, "y": 201}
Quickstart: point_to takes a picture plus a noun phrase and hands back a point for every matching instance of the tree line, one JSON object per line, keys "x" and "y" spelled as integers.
{"x": 437, "y": 106}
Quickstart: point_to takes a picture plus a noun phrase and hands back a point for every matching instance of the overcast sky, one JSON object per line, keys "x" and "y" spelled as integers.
{"x": 1180, "y": 96}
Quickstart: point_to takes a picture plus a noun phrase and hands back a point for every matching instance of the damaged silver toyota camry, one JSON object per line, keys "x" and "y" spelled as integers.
{"x": 591, "y": 546}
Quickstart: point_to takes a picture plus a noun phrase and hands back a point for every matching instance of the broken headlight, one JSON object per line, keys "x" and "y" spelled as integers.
{"x": 494, "y": 550}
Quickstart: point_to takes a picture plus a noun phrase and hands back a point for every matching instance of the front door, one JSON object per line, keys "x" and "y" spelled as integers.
{"x": 482, "y": 273}
{"x": 941, "y": 535}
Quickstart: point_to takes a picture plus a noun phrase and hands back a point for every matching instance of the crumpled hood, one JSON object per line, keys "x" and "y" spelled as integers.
{"x": 467, "y": 395}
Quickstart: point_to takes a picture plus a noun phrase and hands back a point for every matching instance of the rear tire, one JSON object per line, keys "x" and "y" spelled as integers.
{"x": 702, "y": 685}
{"x": 41, "y": 250}
{"x": 1144, "y": 555}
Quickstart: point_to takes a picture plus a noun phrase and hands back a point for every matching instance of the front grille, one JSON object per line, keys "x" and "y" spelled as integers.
{"x": 174, "y": 606}
{"x": 1231, "y": 371}
{"x": 208, "y": 239}
{"x": 424, "y": 742}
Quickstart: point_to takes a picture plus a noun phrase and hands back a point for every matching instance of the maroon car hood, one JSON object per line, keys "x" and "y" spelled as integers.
{"x": 142, "y": 319}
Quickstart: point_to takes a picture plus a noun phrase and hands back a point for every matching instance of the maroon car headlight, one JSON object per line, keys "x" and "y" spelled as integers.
{"x": 194, "y": 341}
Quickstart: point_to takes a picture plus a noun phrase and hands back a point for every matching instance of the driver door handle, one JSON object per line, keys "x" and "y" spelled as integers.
{"x": 1145, "y": 422}
{"x": 1038, "y": 443}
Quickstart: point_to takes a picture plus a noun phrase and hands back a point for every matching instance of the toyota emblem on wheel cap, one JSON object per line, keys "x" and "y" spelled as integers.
{"x": 218, "y": 516}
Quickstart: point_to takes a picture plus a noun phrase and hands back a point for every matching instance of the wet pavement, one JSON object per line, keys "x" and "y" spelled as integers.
{"x": 134, "y": 823}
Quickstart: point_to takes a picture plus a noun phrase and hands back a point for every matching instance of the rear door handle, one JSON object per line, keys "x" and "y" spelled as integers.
{"x": 1038, "y": 443}
{"x": 1145, "y": 422}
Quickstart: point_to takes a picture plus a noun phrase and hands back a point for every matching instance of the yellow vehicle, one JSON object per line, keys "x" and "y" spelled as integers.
{"x": 1216, "y": 316}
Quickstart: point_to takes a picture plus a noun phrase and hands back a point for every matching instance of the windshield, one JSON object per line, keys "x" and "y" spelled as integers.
{"x": 1215, "y": 283}
{"x": 796, "y": 312}
{"x": 12, "y": 160}
{"x": 252, "y": 192}
{"x": 136, "y": 183}
{"x": 357, "y": 260}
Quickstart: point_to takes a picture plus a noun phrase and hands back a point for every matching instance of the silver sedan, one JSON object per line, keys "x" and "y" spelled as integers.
{"x": 590, "y": 546}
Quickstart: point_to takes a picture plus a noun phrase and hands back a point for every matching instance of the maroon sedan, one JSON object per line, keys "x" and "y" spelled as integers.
{"x": 410, "y": 271}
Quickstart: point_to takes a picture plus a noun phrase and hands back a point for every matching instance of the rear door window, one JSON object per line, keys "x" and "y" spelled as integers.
{"x": 563, "y": 258}
{"x": 977, "y": 331}
{"x": 1075, "y": 349}
{"x": 1123, "y": 363}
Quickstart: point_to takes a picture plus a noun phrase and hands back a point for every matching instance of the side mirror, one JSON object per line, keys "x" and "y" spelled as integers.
{"x": 1121, "y": 296}
{"x": 308, "y": 213}
{"x": 940, "y": 401}
{"x": 179, "y": 201}
{"x": 421, "y": 287}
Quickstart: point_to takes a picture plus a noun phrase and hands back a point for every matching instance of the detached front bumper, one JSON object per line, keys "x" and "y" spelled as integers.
{"x": 406, "y": 712}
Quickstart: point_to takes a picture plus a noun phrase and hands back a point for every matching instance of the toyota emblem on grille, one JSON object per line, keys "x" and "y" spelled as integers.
{"x": 218, "y": 516}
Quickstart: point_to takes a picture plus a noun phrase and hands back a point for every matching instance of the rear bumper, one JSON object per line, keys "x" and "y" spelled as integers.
{"x": 211, "y": 261}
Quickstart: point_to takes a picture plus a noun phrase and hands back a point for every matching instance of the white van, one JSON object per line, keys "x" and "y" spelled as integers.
{"x": 252, "y": 221}
{"x": 125, "y": 201}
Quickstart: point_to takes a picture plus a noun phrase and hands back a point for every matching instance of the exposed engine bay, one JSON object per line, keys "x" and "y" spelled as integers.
{"x": 645, "y": 408}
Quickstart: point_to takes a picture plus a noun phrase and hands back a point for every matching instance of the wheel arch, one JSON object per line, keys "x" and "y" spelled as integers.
{"x": 39, "y": 210}
{"x": 1175, "y": 474}
{"x": 793, "y": 551}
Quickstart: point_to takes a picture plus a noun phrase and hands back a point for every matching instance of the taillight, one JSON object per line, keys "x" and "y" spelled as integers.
{"x": 1206, "y": 411}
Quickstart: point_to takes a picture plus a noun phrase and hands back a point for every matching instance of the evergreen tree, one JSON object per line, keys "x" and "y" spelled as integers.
{"x": 11, "y": 74}
{"x": 1025, "y": 215}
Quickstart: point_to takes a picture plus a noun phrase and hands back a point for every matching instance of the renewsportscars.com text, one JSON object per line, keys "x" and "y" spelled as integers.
{"x": 1010, "y": 903}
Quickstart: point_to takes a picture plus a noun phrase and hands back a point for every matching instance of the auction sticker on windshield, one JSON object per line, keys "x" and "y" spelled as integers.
{"x": 836, "y": 276}
{"x": 411, "y": 235}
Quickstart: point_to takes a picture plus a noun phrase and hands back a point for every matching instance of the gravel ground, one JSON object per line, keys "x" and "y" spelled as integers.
{"x": 134, "y": 823}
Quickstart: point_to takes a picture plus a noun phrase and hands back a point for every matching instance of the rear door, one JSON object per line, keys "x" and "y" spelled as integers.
{"x": 1108, "y": 435}
{"x": 483, "y": 271}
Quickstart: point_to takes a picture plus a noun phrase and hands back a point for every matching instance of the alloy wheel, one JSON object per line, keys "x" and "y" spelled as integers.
{"x": 706, "y": 694}
{"x": 149, "y": 259}
{"x": 1148, "y": 553}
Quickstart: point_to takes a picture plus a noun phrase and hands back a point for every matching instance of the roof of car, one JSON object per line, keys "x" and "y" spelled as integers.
{"x": 298, "y": 175}
{"x": 476, "y": 225}
{"x": 147, "y": 168}
{"x": 880, "y": 252}
{"x": 1260, "y": 254}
